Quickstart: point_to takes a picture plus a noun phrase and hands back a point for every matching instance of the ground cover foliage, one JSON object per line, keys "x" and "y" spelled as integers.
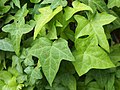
{"x": 59, "y": 44}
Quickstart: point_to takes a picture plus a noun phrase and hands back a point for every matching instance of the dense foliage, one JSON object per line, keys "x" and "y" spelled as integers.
{"x": 59, "y": 45}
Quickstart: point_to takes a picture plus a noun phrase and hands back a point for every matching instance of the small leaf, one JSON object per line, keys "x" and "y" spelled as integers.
{"x": 35, "y": 1}
{"x": 115, "y": 54}
{"x": 4, "y": 8}
{"x": 96, "y": 5}
{"x": 6, "y": 45}
{"x": 17, "y": 3}
{"x": 77, "y": 6}
{"x": 35, "y": 75}
{"x": 112, "y": 3}
{"x": 46, "y": 15}
{"x": 55, "y": 3}
{"x": 89, "y": 55}
{"x": 50, "y": 55}
{"x": 94, "y": 26}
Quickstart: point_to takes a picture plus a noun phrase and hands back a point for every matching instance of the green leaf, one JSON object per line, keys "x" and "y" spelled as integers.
{"x": 17, "y": 29}
{"x": 1, "y": 84}
{"x": 69, "y": 81}
{"x": 77, "y": 6}
{"x": 112, "y": 3}
{"x": 21, "y": 13}
{"x": 46, "y": 15}
{"x": 89, "y": 55}
{"x": 115, "y": 54}
{"x": 50, "y": 55}
{"x": 17, "y": 3}
{"x": 52, "y": 33}
{"x": 96, "y": 5}
{"x": 4, "y": 8}
{"x": 93, "y": 86}
{"x": 16, "y": 62}
{"x": 110, "y": 83}
{"x": 94, "y": 26}
{"x": 5, "y": 45}
{"x": 5, "y": 76}
{"x": 35, "y": 75}
{"x": 55, "y": 3}
{"x": 35, "y": 1}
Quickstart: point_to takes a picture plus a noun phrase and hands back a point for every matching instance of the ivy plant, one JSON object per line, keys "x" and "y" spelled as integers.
{"x": 59, "y": 44}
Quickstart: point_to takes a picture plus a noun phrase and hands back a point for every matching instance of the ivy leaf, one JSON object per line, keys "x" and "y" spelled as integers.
{"x": 46, "y": 15}
{"x": 6, "y": 45}
{"x": 35, "y": 1}
{"x": 96, "y": 4}
{"x": 89, "y": 55}
{"x": 77, "y": 6}
{"x": 94, "y": 26}
{"x": 115, "y": 54}
{"x": 112, "y": 3}
{"x": 17, "y": 3}
{"x": 4, "y": 8}
{"x": 55, "y": 3}
{"x": 21, "y": 13}
{"x": 52, "y": 33}
{"x": 17, "y": 29}
{"x": 50, "y": 55}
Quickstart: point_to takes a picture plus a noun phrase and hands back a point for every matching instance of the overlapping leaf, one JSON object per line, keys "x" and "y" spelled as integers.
{"x": 77, "y": 6}
{"x": 4, "y": 8}
{"x": 17, "y": 29}
{"x": 5, "y": 45}
{"x": 96, "y": 5}
{"x": 46, "y": 15}
{"x": 94, "y": 26}
{"x": 50, "y": 55}
{"x": 55, "y": 3}
{"x": 112, "y": 3}
{"x": 89, "y": 55}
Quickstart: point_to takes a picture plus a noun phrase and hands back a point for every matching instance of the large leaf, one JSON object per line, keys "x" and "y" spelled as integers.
{"x": 112, "y": 3}
{"x": 77, "y": 6}
{"x": 5, "y": 45}
{"x": 94, "y": 26}
{"x": 50, "y": 55}
{"x": 46, "y": 15}
{"x": 89, "y": 55}
{"x": 17, "y": 29}
{"x": 55, "y": 3}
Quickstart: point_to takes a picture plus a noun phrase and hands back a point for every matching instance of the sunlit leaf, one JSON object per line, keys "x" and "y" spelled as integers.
{"x": 50, "y": 55}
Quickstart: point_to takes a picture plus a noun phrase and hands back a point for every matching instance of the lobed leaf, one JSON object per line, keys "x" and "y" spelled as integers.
{"x": 89, "y": 55}
{"x": 50, "y": 55}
